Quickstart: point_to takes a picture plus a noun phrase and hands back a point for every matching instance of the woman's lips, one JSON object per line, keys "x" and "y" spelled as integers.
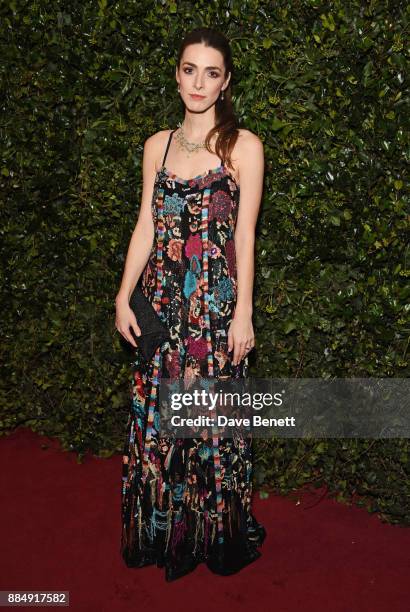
{"x": 197, "y": 97}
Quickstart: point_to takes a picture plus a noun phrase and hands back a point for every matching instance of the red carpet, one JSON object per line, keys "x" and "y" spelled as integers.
{"x": 61, "y": 530}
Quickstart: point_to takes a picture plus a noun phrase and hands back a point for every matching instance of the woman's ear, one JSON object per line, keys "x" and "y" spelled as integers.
{"x": 227, "y": 81}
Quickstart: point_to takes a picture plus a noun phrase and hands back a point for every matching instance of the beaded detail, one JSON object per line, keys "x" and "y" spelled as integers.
{"x": 186, "y": 501}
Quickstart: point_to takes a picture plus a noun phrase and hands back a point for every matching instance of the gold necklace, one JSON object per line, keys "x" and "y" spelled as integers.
{"x": 184, "y": 143}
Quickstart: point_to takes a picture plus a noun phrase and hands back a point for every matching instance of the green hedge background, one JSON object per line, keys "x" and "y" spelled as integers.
{"x": 324, "y": 86}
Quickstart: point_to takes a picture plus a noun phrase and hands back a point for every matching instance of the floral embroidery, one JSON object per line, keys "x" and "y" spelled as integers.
{"x": 173, "y": 205}
{"x": 173, "y": 363}
{"x": 224, "y": 290}
{"x": 213, "y": 306}
{"x": 214, "y": 250}
{"x": 197, "y": 347}
{"x": 230, "y": 256}
{"x": 204, "y": 452}
{"x": 177, "y": 517}
{"x": 195, "y": 265}
{"x": 220, "y": 205}
{"x": 174, "y": 249}
{"x": 190, "y": 283}
{"x": 193, "y": 245}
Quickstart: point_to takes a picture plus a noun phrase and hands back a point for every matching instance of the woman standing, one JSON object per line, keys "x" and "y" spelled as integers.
{"x": 186, "y": 501}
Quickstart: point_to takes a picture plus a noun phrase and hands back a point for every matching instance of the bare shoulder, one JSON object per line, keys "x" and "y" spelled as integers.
{"x": 154, "y": 146}
{"x": 248, "y": 142}
{"x": 158, "y": 138}
{"x": 248, "y": 147}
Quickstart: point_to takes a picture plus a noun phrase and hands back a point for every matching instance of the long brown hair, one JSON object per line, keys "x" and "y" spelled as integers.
{"x": 226, "y": 124}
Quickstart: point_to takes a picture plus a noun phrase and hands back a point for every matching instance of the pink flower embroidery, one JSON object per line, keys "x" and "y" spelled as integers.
{"x": 173, "y": 364}
{"x": 193, "y": 246}
{"x": 231, "y": 257}
{"x": 220, "y": 205}
{"x": 197, "y": 347}
{"x": 206, "y": 180}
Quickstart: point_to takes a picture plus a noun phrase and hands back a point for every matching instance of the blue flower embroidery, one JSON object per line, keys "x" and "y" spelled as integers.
{"x": 173, "y": 205}
{"x": 204, "y": 452}
{"x": 212, "y": 304}
{"x": 157, "y": 422}
{"x": 190, "y": 283}
{"x": 178, "y": 491}
{"x": 195, "y": 265}
{"x": 223, "y": 291}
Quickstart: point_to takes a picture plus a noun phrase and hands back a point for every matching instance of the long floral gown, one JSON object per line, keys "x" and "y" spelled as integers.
{"x": 187, "y": 501}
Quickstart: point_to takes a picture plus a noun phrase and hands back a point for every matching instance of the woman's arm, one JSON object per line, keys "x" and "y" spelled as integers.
{"x": 250, "y": 162}
{"x": 140, "y": 244}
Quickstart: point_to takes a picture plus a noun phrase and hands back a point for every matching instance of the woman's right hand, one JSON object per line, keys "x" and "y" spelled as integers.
{"x": 124, "y": 319}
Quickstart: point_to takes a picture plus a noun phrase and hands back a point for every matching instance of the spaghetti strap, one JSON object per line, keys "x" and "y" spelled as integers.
{"x": 189, "y": 280}
{"x": 166, "y": 150}
{"x": 169, "y": 142}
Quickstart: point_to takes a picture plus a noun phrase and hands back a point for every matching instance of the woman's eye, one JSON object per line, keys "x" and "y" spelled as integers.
{"x": 213, "y": 74}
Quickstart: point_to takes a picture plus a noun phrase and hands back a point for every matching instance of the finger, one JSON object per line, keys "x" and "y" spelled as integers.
{"x": 132, "y": 321}
{"x": 237, "y": 353}
{"x": 129, "y": 336}
{"x": 242, "y": 356}
{"x": 239, "y": 348}
{"x": 136, "y": 328}
{"x": 230, "y": 344}
{"x": 244, "y": 350}
{"x": 130, "y": 339}
{"x": 249, "y": 346}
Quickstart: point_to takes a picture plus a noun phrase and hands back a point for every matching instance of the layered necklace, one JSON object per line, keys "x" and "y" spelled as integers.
{"x": 185, "y": 144}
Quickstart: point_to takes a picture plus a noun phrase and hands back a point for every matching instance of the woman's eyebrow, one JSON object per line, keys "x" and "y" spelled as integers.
{"x": 207, "y": 67}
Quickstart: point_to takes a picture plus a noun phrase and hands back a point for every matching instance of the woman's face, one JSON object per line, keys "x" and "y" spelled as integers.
{"x": 201, "y": 76}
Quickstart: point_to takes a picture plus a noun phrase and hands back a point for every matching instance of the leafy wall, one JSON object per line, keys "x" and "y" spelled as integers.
{"x": 324, "y": 86}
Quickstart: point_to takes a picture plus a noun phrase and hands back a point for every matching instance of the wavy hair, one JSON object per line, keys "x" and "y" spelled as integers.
{"x": 226, "y": 125}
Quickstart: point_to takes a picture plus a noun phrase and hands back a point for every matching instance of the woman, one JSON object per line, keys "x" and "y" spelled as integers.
{"x": 192, "y": 503}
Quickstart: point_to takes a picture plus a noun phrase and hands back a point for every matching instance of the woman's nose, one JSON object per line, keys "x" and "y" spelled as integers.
{"x": 198, "y": 82}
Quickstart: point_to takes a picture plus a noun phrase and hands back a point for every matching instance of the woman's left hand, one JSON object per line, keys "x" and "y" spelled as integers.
{"x": 241, "y": 338}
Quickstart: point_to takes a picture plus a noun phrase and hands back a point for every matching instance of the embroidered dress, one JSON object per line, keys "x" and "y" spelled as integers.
{"x": 187, "y": 501}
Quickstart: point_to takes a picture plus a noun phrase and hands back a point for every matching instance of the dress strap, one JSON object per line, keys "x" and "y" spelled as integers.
{"x": 166, "y": 150}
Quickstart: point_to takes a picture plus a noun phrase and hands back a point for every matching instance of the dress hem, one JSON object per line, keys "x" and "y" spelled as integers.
{"x": 215, "y": 562}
